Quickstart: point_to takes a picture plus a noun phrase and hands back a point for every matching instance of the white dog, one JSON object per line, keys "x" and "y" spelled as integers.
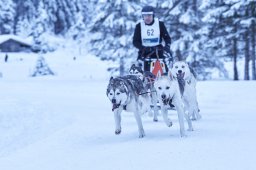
{"x": 187, "y": 85}
{"x": 168, "y": 90}
{"x": 128, "y": 93}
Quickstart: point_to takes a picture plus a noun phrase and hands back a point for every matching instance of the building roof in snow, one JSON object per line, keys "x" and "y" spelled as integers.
{"x": 6, "y": 37}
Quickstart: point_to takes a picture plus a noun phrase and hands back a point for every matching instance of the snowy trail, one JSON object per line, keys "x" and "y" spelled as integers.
{"x": 58, "y": 124}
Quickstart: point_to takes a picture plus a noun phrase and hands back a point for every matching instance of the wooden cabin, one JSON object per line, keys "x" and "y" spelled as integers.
{"x": 13, "y": 43}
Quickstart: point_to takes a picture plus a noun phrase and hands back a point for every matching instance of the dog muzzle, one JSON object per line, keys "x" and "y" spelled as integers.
{"x": 180, "y": 75}
{"x": 166, "y": 101}
{"x": 115, "y": 106}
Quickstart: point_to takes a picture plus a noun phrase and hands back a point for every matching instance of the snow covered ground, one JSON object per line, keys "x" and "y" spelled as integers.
{"x": 65, "y": 122}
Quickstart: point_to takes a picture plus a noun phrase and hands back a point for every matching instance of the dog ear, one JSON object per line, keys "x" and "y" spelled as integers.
{"x": 111, "y": 79}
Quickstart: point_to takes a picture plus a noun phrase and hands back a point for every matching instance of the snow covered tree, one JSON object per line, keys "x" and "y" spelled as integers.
{"x": 247, "y": 12}
{"x": 40, "y": 29}
{"x": 253, "y": 44}
{"x": 51, "y": 8}
{"x": 112, "y": 30}
{"x": 229, "y": 22}
{"x": 78, "y": 32}
{"x": 25, "y": 17}
{"x": 23, "y": 27}
{"x": 220, "y": 32}
{"x": 237, "y": 12}
{"x": 7, "y": 14}
{"x": 87, "y": 10}
{"x": 183, "y": 20}
{"x": 41, "y": 68}
{"x": 64, "y": 12}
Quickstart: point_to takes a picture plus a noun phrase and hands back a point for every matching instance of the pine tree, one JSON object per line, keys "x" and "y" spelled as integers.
{"x": 190, "y": 34}
{"x": 25, "y": 12}
{"x": 231, "y": 25}
{"x": 40, "y": 29}
{"x": 7, "y": 14}
{"x": 253, "y": 45}
{"x": 23, "y": 27}
{"x": 113, "y": 28}
{"x": 78, "y": 32}
{"x": 41, "y": 68}
{"x": 51, "y": 8}
{"x": 64, "y": 15}
{"x": 252, "y": 32}
{"x": 221, "y": 32}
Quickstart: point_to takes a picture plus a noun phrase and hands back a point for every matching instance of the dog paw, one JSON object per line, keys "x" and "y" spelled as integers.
{"x": 183, "y": 135}
{"x": 193, "y": 118}
{"x": 196, "y": 118}
{"x": 142, "y": 134}
{"x": 118, "y": 131}
{"x": 155, "y": 120}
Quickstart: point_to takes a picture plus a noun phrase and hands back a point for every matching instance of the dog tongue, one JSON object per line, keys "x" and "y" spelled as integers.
{"x": 180, "y": 75}
{"x": 113, "y": 107}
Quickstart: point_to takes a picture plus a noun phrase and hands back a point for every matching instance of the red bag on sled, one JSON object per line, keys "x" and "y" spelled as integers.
{"x": 157, "y": 68}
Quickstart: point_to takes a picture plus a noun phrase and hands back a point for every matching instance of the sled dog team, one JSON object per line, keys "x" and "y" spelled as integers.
{"x": 139, "y": 90}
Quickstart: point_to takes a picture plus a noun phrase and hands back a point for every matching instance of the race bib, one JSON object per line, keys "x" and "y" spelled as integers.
{"x": 150, "y": 34}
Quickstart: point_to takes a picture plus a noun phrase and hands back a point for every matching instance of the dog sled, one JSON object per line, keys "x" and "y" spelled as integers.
{"x": 156, "y": 65}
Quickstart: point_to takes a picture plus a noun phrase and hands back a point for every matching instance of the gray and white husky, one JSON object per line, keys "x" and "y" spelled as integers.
{"x": 128, "y": 93}
{"x": 148, "y": 79}
{"x": 187, "y": 84}
{"x": 168, "y": 90}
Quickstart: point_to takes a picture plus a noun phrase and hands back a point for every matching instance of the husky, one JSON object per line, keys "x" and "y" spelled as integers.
{"x": 168, "y": 90}
{"x": 148, "y": 82}
{"x": 187, "y": 84}
{"x": 128, "y": 93}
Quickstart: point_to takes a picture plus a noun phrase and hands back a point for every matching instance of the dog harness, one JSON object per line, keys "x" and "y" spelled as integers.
{"x": 181, "y": 83}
